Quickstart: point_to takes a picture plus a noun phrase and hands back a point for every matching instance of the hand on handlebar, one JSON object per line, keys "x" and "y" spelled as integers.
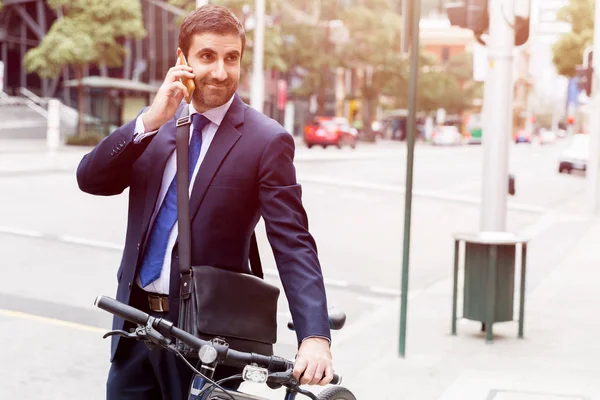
{"x": 313, "y": 364}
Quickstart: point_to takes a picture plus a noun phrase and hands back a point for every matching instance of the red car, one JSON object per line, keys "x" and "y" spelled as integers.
{"x": 325, "y": 131}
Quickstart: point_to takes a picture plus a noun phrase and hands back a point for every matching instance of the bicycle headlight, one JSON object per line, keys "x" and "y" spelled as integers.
{"x": 255, "y": 374}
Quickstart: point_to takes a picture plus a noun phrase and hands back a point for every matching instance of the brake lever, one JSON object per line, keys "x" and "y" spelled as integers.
{"x": 151, "y": 336}
{"x": 128, "y": 335}
{"x": 279, "y": 379}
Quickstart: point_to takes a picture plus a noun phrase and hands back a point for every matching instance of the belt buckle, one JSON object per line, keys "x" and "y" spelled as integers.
{"x": 157, "y": 303}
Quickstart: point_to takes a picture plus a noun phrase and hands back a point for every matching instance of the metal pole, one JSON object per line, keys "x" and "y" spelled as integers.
{"x": 498, "y": 94}
{"x": 410, "y": 144}
{"x": 257, "y": 90}
{"x": 593, "y": 167}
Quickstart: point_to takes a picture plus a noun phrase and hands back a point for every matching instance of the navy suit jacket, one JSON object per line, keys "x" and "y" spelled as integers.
{"x": 248, "y": 172}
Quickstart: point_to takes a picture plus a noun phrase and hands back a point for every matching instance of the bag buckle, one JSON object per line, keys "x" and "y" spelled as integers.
{"x": 186, "y": 286}
{"x": 183, "y": 121}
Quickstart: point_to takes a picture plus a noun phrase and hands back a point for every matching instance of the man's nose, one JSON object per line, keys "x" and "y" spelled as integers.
{"x": 219, "y": 72}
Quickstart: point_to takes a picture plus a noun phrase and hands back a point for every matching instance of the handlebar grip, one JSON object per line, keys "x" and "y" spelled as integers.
{"x": 121, "y": 310}
{"x": 337, "y": 379}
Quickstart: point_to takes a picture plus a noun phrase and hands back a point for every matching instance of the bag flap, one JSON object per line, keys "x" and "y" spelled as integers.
{"x": 235, "y": 305}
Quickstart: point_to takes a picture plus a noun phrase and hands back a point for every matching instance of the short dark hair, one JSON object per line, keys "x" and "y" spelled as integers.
{"x": 209, "y": 18}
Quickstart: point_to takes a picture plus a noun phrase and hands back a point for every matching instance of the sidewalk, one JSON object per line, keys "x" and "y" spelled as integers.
{"x": 557, "y": 359}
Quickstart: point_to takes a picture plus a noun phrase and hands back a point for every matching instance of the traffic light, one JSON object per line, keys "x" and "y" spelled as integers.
{"x": 474, "y": 15}
{"x": 585, "y": 72}
{"x": 469, "y": 14}
{"x": 584, "y": 78}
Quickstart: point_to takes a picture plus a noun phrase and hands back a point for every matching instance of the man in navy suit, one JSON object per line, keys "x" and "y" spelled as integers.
{"x": 241, "y": 168}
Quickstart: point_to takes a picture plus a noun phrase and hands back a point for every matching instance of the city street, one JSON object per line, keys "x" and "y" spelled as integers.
{"x": 61, "y": 248}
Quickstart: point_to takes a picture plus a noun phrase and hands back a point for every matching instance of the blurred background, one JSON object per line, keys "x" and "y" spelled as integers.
{"x": 499, "y": 134}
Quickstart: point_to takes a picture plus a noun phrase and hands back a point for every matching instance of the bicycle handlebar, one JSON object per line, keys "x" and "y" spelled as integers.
{"x": 226, "y": 355}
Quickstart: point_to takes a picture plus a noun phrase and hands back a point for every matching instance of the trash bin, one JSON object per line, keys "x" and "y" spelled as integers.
{"x": 489, "y": 278}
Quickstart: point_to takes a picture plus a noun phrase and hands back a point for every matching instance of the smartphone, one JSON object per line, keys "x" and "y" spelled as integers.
{"x": 187, "y": 82}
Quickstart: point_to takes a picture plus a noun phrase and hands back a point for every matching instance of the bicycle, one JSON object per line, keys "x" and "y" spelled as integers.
{"x": 274, "y": 371}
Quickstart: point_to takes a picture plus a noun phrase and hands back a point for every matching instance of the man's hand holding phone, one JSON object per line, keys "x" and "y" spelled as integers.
{"x": 169, "y": 95}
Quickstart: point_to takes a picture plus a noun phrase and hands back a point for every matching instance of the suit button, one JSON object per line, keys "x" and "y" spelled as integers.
{"x": 129, "y": 285}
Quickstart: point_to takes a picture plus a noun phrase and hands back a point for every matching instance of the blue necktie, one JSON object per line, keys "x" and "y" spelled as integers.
{"x": 167, "y": 215}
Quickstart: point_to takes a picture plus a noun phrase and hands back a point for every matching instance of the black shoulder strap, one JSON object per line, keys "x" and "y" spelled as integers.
{"x": 183, "y": 202}
{"x": 183, "y": 199}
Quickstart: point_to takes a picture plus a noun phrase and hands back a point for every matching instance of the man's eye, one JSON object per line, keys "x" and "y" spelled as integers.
{"x": 206, "y": 56}
{"x": 232, "y": 58}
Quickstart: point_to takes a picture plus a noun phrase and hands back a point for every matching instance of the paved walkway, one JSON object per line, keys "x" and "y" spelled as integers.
{"x": 557, "y": 359}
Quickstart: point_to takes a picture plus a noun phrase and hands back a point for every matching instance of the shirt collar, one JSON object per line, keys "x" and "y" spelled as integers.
{"x": 214, "y": 115}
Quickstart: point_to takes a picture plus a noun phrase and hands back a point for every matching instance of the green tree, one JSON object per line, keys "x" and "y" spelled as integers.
{"x": 374, "y": 48}
{"x": 449, "y": 86}
{"x": 89, "y": 33}
{"x": 568, "y": 50}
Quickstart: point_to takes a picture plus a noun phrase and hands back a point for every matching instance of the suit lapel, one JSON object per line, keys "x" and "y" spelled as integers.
{"x": 225, "y": 138}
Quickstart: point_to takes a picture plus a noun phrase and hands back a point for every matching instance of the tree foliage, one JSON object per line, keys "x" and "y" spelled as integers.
{"x": 568, "y": 50}
{"x": 89, "y": 33}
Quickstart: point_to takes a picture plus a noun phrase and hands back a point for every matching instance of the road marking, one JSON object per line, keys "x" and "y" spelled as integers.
{"x": 271, "y": 273}
{"x": 430, "y": 194}
{"x": 21, "y": 232}
{"x": 51, "y": 321}
{"x": 90, "y": 242}
{"x": 383, "y": 290}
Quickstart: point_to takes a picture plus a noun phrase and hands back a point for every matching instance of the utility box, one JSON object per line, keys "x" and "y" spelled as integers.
{"x": 489, "y": 278}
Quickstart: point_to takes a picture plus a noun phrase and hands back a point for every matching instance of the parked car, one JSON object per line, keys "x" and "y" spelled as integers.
{"x": 446, "y": 135}
{"x": 330, "y": 131}
{"x": 576, "y": 155}
{"x": 522, "y": 136}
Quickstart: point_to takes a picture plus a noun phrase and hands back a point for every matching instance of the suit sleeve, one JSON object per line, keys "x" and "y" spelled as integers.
{"x": 106, "y": 170}
{"x": 294, "y": 248}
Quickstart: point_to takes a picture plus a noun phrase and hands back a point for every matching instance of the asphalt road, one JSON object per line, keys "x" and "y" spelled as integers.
{"x": 61, "y": 247}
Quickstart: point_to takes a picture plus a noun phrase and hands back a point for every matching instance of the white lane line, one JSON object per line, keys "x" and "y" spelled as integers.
{"x": 272, "y": 273}
{"x": 336, "y": 283}
{"x": 386, "y": 291}
{"x": 475, "y": 200}
{"x": 23, "y": 124}
{"x": 90, "y": 242}
{"x": 52, "y": 321}
{"x": 20, "y": 232}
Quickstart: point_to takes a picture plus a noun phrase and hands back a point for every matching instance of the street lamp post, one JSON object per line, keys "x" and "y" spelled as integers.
{"x": 257, "y": 90}
{"x": 497, "y": 108}
{"x": 410, "y": 144}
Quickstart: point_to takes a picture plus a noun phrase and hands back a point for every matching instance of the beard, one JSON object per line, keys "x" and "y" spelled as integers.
{"x": 210, "y": 94}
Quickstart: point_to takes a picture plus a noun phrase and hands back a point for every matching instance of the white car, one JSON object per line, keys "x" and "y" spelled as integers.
{"x": 446, "y": 135}
{"x": 547, "y": 136}
{"x": 576, "y": 155}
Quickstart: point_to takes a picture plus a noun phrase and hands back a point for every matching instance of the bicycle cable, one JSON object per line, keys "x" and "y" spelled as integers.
{"x": 212, "y": 383}
{"x": 213, "y": 387}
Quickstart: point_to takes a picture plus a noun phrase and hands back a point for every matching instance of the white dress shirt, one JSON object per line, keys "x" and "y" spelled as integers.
{"x": 215, "y": 115}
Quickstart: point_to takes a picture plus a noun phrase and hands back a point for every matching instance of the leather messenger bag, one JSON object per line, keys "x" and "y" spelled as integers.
{"x": 215, "y": 302}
